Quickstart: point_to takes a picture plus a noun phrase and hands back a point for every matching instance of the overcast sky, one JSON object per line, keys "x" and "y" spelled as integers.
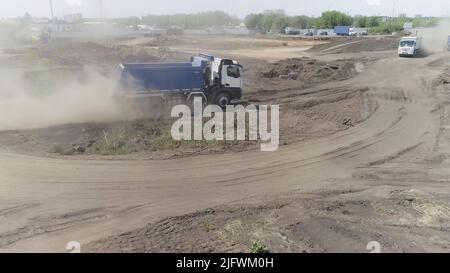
{"x": 121, "y": 8}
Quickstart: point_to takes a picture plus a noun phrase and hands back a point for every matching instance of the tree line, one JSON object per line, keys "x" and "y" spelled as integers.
{"x": 193, "y": 20}
{"x": 277, "y": 21}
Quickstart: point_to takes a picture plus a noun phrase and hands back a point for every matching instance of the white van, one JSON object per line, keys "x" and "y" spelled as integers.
{"x": 409, "y": 46}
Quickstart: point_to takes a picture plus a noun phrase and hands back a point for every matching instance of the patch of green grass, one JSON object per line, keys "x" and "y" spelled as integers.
{"x": 145, "y": 135}
{"x": 142, "y": 135}
{"x": 258, "y": 247}
{"x": 207, "y": 227}
{"x": 113, "y": 142}
{"x": 62, "y": 150}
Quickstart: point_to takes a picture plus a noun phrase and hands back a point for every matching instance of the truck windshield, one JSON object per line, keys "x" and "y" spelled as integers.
{"x": 407, "y": 43}
{"x": 233, "y": 71}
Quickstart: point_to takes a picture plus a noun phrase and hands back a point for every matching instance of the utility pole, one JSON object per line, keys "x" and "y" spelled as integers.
{"x": 394, "y": 4}
{"x": 51, "y": 11}
{"x": 100, "y": 5}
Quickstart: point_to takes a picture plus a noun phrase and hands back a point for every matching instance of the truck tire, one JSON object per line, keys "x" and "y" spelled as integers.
{"x": 222, "y": 99}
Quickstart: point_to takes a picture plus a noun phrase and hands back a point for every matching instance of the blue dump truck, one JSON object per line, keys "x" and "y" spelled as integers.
{"x": 342, "y": 30}
{"x": 217, "y": 81}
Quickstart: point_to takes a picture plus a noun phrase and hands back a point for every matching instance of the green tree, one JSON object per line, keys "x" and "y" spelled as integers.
{"x": 361, "y": 21}
{"x": 425, "y": 22}
{"x": 302, "y": 22}
{"x": 196, "y": 20}
{"x": 267, "y": 22}
{"x": 253, "y": 21}
{"x": 373, "y": 21}
{"x": 280, "y": 23}
{"x": 388, "y": 27}
{"x": 330, "y": 19}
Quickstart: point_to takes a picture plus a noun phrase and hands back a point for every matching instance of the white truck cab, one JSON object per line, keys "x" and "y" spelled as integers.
{"x": 231, "y": 75}
{"x": 223, "y": 79}
{"x": 409, "y": 46}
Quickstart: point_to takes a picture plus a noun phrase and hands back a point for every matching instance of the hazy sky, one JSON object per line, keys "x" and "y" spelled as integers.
{"x": 120, "y": 8}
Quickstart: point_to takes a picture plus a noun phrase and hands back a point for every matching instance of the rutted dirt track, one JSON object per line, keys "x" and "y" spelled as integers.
{"x": 399, "y": 150}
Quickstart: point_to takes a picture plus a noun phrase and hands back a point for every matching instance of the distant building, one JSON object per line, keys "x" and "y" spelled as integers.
{"x": 402, "y": 15}
{"x": 418, "y": 16}
{"x": 238, "y": 30}
{"x": 277, "y": 11}
{"x": 143, "y": 27}
{"x": 73, "y": 18}
{"x": 40, "y": 21}
{"x": 408, "y": 25}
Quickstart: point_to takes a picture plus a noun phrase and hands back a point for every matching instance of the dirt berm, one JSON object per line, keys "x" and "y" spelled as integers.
{"x": 310, "y": 70}
{"x": 355, "y": 45}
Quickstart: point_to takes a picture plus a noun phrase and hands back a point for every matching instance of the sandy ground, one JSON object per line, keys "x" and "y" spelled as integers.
{"x": 383, "y": 178}
{"x": 309, "y": 107}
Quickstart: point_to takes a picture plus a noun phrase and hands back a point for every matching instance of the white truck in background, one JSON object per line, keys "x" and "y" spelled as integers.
{"x": 409, "y": 46}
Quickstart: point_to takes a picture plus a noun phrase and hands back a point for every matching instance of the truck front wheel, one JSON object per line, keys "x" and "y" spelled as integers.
{"x": 223, "y": 99}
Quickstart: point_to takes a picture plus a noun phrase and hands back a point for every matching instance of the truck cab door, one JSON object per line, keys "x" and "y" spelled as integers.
{"x": 231, "y": 76}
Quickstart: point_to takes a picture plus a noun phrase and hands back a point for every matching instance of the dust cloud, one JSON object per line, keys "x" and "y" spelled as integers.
{"x": 68, "y": 101}
{"x": 435, "y": 39}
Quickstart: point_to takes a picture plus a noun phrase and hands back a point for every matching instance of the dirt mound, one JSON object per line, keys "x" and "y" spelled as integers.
{"x": 355, "y": 45}
{"x": 313, "y": 113}
{"x": 310, "y": 70}
{"x": 150, "y": 139}
{"x": 74, "y": 54}
{"x": 443, "y": 80}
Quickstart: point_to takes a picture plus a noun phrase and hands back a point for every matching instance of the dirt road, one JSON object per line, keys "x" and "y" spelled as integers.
{"x": 46, "y": 203}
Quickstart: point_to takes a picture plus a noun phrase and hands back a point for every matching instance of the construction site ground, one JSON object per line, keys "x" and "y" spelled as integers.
{"x": 364, "y": 152}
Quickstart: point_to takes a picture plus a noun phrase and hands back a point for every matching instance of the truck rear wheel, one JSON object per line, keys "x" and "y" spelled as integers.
{"x": 223, "y": 99}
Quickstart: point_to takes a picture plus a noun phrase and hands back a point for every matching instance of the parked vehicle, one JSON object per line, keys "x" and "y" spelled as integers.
{"x": 216, "y": 80}
{"x": 363, "y": 33}
{"x": 291, "y": 31}
{"x": 153, "y": 33}
{"x": 342, "y": 30}
{"x": 409, "y": 46}
{"x": 448, "y": 43}
{"x": 174, "y": 31}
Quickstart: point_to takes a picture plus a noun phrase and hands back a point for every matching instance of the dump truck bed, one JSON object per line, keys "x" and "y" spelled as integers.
{"x": 161, "y": 76}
